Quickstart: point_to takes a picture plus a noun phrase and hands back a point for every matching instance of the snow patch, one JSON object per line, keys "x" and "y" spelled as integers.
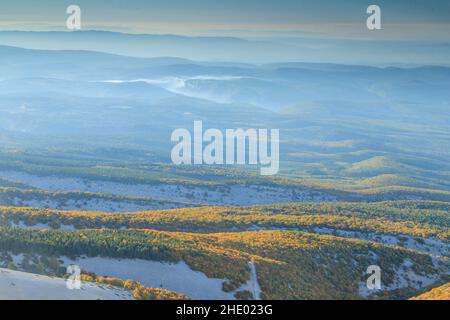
{"x": 16, "y": 285}
{"x": 243, "y": 195}
{"x": 177, "y": 277}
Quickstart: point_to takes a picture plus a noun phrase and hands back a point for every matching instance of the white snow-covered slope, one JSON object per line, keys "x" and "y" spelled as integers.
{"x": 15, "y": 285}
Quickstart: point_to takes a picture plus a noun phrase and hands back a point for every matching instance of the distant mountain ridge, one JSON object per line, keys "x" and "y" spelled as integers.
{"x": 145, "y": 45}
{"x": 234, "y": 49}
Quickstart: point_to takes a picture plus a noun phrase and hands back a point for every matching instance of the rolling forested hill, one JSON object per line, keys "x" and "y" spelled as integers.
{"x": 290, "y": 246}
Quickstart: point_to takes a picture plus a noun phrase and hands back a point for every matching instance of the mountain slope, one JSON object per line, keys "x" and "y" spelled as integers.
{"x": 297, "y": 251}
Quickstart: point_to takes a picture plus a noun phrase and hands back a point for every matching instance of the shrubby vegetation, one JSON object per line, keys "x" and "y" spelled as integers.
{"x": 379, "y": 187}
{"x": 140, "y": 292}
{"x": 440, "y": 293}
{"x": 290, "y": 264}
{"x": 414, "y": 218}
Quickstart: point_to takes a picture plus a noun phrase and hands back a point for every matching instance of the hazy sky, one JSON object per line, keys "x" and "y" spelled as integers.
{"x": 402, "y": 19}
